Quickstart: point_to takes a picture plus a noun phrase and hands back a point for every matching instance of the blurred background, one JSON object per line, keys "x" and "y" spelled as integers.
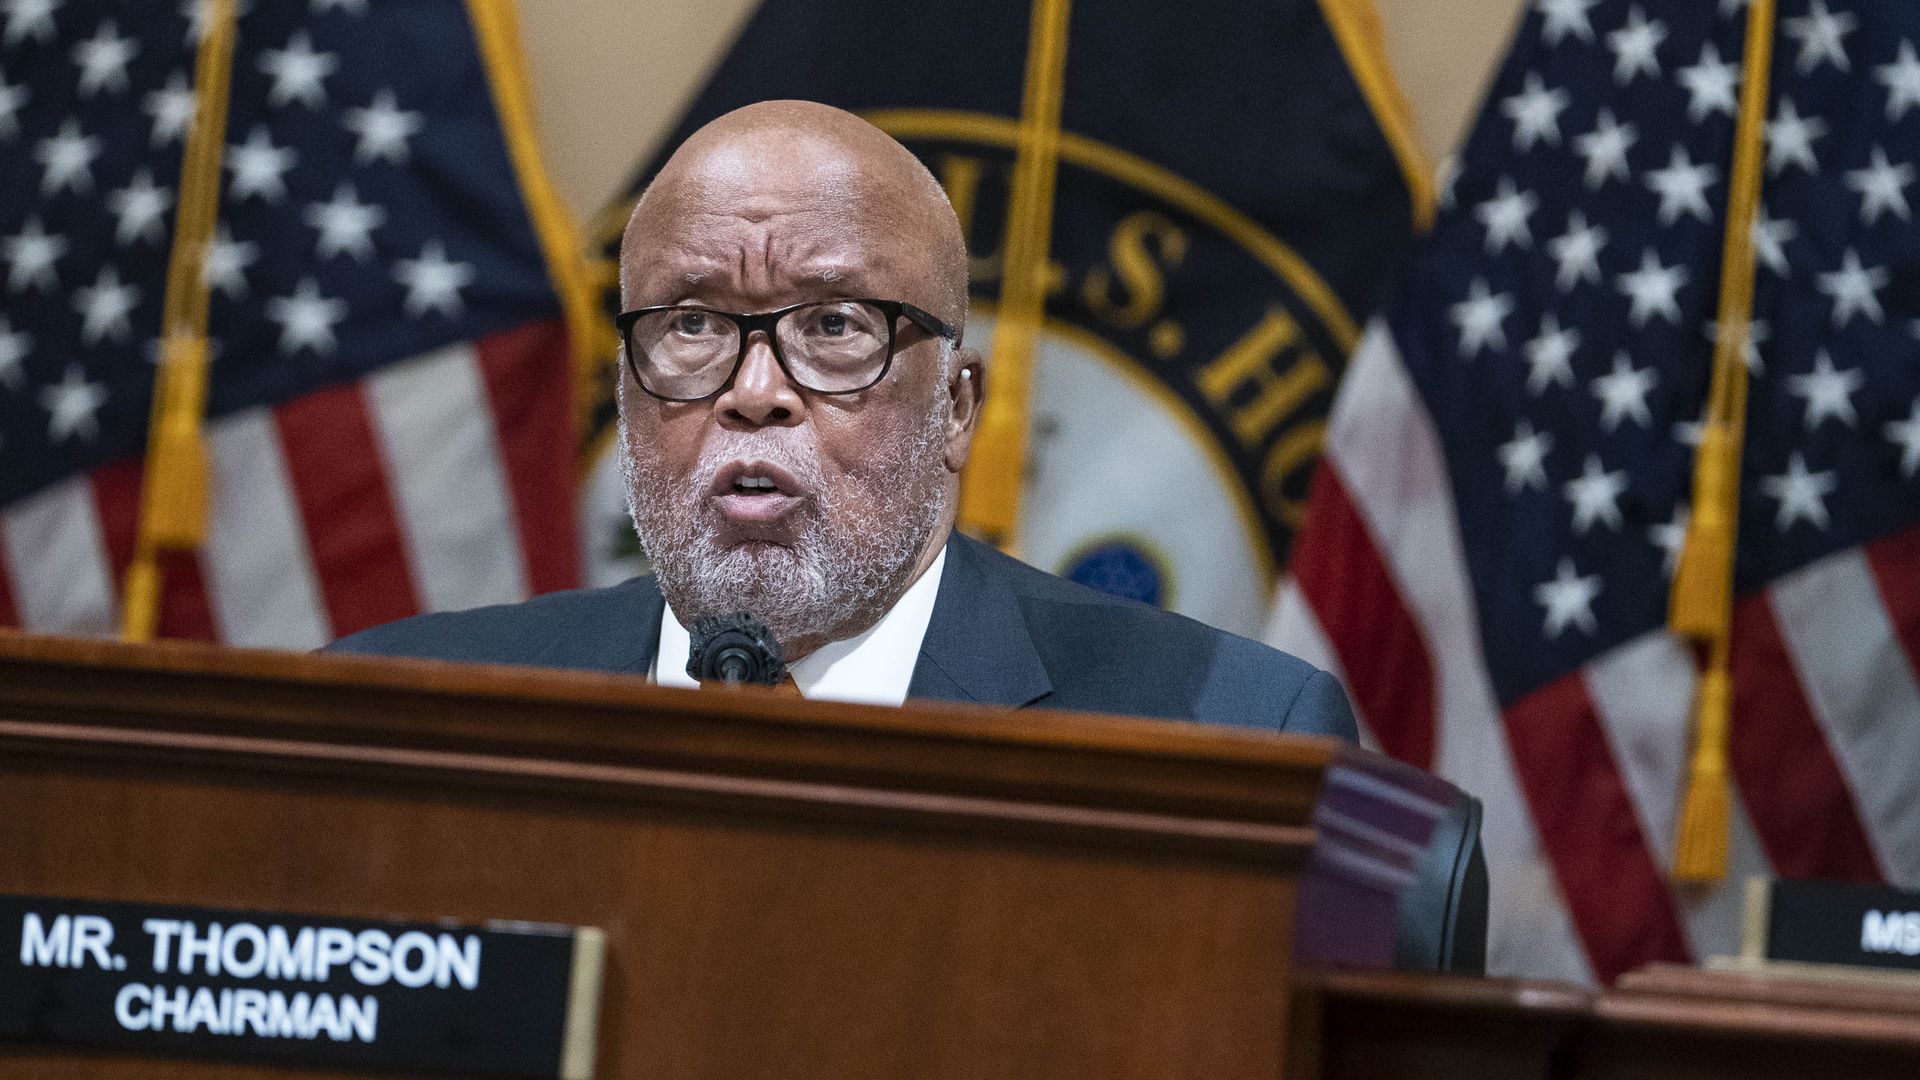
{"x": 596, "y": 105}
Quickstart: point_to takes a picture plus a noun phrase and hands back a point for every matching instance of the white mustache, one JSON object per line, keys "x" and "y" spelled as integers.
{"x": 797, "y": 456}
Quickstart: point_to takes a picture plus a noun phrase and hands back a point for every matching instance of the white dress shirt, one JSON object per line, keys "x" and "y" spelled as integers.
{"x": 873, "y": 668}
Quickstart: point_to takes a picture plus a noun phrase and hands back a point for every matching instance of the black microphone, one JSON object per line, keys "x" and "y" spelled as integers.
{"x": 735, "y": 649}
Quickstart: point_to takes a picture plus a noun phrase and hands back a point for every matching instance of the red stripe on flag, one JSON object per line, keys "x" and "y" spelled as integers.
{"x": 334, "y": 463}
{"x": 1617, "y": 895}
{"x": 529, "y": 385}
{"x": 1895, "y": 561}
{"x": 184, "y": 608}
{"x": 1795, "y": 793}
{"x": 9, "y": 613}
{"x": 1389, "y": 670}
{"x": 116, "y": 500}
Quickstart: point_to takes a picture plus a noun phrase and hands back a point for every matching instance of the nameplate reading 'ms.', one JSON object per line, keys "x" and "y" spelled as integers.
{"x": 504, "y": 999}
{"x": 1828, "y": 923}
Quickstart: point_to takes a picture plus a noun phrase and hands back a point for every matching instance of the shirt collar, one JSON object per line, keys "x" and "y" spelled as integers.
{"x": 874, "y": 667}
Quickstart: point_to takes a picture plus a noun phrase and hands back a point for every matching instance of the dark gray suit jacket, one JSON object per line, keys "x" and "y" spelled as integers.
{"x": 1004, "y": 634}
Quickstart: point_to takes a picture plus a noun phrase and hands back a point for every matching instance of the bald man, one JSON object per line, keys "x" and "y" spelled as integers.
{"x": 795, "y": 410}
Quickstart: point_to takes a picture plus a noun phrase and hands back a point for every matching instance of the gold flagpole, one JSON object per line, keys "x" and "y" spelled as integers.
{"x": 990, "y": 488}
{"x": 590, "y": 336}
{"x": 173, "y": 504}
{"x": 1700, "y": 605}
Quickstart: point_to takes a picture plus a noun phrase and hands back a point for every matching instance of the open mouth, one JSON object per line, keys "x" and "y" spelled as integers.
{"x": 755, "y": 492}
{"x": 755, "y": 485}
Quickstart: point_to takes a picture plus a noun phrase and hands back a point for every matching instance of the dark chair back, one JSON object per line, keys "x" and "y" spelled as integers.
{"x": 1442, "y": 922}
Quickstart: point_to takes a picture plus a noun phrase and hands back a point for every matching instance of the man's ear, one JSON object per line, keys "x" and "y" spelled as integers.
{"x": 966, "y": 389}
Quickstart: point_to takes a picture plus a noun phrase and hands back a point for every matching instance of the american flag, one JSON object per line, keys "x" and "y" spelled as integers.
{"x": 1487, "y": 557}
{"x": 390, "y": 427}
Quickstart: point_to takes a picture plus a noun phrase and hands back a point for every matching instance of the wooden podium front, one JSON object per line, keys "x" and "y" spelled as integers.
{"x": 788, "y": 889}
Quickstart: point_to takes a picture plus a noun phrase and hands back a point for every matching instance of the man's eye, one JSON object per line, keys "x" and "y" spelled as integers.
{"x": 692, "y": 323}
{"x": 830, "y": 324}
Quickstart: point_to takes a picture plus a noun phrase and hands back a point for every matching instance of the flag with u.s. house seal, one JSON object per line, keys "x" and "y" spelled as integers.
{"x": 1233, "y": 179}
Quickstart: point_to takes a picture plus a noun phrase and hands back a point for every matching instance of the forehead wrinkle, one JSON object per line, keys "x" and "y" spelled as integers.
{"x": 772, "y": 257}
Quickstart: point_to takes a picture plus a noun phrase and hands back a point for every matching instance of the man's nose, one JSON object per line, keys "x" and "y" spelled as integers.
{"x": 761, "y": 394}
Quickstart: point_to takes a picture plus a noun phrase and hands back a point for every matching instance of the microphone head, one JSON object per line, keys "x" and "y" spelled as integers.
{"x": 734, "y": 649}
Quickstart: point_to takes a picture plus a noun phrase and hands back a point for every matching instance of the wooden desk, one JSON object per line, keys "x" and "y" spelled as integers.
{"x": 1665, "y": 1022}
{"x": 789, "y": 888}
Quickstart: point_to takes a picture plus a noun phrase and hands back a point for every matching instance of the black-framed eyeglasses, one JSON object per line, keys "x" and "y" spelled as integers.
{"x": 682, "y": 352}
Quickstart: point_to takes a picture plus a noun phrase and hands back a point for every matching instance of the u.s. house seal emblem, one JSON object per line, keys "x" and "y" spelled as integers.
{"x": 1181, "y": 379}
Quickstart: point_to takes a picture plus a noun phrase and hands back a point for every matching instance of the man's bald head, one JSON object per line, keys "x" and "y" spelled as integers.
{"x": 771, "y": 157}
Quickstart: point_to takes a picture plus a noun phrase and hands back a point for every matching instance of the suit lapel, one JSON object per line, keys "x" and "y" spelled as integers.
{"x": 978, "y": 647}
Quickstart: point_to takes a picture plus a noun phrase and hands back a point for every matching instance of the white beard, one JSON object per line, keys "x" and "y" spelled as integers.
{"x": 857, "y": 547}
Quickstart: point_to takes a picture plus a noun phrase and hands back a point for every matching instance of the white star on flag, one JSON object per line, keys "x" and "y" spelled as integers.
{"x": 1682, "y": 187}
{"x": 225, "y": 265}
{"x": 31, "y": 256}
{"x": 1550, "y": 355}
{"x": 433, "y": 281}
{"x": 345, "y": 224}
{"x": 172, "y": 108}
{"x": 1882, "y": 186}
{"x": 1623, "y": 393}
{"x": 260, "y": 168}
{"x": 1576, "y": 253}
{"x": 1902, "y": 80}
{"x": 1654, "y": 289}
{"x": 1563, "y": 17}
{"x": 1802, "y": 494}
{"x": 1595, "y": 495}
{"x": 1525, "y": 458}
{"x": 72, "y": 406}
{"x": 1634, "y": 46}
{"x": 1790, "y": 139}
{"x": 1710, "y": 85}
{"x": 298, "y": 72}
{"x": 383, "y": 129}
{"x": 1854, "y": 289}
{"x": 1605, "y": 149}
{"x": 67, "y": 157}
{"x": 306, "y": 319}
{"x": 1505, "y": 217}
{"x": 1821, "y": 34}
{"x": 1568, "y": 599}
{"x": 1828, "y": 392}
{"x": 30, "y": 19}
{"x": 103, "y": 60}
{"x": 141, "y": 209}
{"x": 1535, "y": 112}
{"x": 106, "y": 307}
{"x": 1479, "y": 318}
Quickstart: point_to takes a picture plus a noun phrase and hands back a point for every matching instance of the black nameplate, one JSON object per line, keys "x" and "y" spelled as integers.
{"x": 1825, "y": 923}
{"x": 506, "y": 999}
